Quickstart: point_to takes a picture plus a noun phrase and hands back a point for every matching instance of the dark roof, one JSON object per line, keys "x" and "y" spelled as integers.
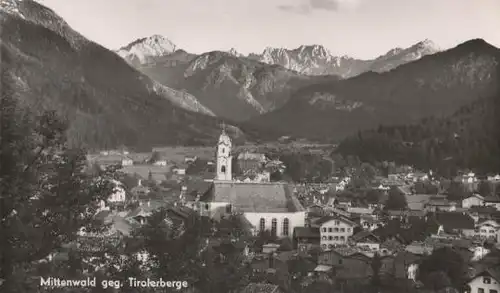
{"x": 325, "y": 219}
{"x": 454, "y": 220}
{"x": 306, "y": 232}
{"x": 482, "y": 209}
{"x": 415, "y": 213}
{"x": 363, "y": 235}
{"x": 260, "y": 288}
{"x": 493, "y": 272}
{"x": 268, "y": 197}
{"x": 492, "y": 198}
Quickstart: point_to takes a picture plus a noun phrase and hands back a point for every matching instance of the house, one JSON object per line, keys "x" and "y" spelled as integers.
{"x": 369, "y": 223}
{"x": 419, "y": 248}
{"x": 261, "y": 288}
{"x": 473, "y": 200}
{"x": 180, "y": 169}
{"x": 315, "y": 210}
{"x": 347, "y": 262}
{"x": 250, "y": 161}
{"x": 455, "y": 223}
{"x": 367, "y": 239}
{"x": 485, "y": 281}
{"x": 440, "y": 204}
{"x": 405, "y": 265}
{"x": 405, "y": 214}
{"x": 306, "y": 237}
{"x": 335, "y": 230}
{"x": 106, "y": 159}
{"x": 492, "y": 201}
{"x": 190, "y": 159}
{"x": 488, "y": 229}
{"x": 358, "y": 211}
{"x": 494, "y": 179}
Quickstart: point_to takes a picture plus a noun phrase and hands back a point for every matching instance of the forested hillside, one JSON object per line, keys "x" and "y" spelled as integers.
{"x": 468, "y": 139}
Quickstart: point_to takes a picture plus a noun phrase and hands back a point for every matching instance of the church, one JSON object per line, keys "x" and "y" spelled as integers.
{"x": 270, "y": 206}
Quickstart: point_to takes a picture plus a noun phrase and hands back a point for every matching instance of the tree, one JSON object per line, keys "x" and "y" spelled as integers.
{"x": 376, "y": 265}
{"x": 396, "y": 200}
{"x": 47, "y": 192}
{"x": 457, "y": 191}
{"x": 443, "y": 261}
{"x": 485, "y": 188}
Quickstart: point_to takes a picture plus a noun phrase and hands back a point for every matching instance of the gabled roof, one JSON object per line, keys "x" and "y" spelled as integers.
{"x": 492, "y": 199}
{"x": 306, "y": 232}
{"x": 326, "y": 219}
{"x": 271, "y": 197}
{"x": 454, "y": 220}
{"x": 362, "y": 235}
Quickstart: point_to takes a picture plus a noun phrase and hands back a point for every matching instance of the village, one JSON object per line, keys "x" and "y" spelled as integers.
{"x": 337, "y": 232}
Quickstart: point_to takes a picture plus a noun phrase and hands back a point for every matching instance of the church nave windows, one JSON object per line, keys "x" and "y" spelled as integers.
{"x": 286, "y": 226}
{"x": 262, "y": 225}
{"x": 274, "y": 226}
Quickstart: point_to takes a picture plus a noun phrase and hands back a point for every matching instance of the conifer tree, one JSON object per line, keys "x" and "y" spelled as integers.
{"x": 46, "y": 193}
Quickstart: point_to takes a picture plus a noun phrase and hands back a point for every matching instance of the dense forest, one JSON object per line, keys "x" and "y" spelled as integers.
{"x": 468, "y": 139}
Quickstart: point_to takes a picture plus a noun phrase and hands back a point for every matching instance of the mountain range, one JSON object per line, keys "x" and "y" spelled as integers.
{"x": 151, "y": 92}
{"x": 108, "y": 102}
{"x": 240, "y": 87}
{"x": 435, "y": 85}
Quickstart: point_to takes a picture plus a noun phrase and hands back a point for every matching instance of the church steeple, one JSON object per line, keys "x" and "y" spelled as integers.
{"x": 224, "y": 156}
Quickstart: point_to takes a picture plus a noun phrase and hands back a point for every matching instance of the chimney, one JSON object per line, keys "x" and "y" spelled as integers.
{"x": 139, "y": 182}
{"x": 149, "y": 203}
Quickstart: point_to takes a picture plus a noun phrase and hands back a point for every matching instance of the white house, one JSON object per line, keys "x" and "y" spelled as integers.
{"x": 335, "y": 230}
{"x": 474, "y": 200}
{"x": 492, "y": 201}
{"x": 488, "y": 229}
{"x": 487, "y": 281}
{"x": 119, "y": 194}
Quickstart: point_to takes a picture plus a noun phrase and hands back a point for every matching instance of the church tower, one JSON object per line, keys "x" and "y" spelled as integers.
{"x": 224, "y": 157}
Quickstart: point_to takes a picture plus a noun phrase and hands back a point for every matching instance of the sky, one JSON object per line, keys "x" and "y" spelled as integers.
{"x": 358, "y": 28}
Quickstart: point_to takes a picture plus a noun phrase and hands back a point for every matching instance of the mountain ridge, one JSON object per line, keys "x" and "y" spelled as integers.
{"x": 434, "y": 85}
{"x": 108, "y": 102}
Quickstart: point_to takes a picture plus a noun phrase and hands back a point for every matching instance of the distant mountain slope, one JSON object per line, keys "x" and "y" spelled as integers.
{"x": 108, "y": 102}
{"x": 468, "y": 139}
{"x": 230, "y": 85}
{"x": 434, "y": 85}
{"x": 316, "y": 60}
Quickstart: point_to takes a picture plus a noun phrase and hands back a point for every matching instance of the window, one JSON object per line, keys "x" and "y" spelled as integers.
{"x": 486, "y": 280}
{"x": 330, "y": 230}
{"x": 207, "y": 206}
{"x": 324, "y": 246}
{"x": 262, "y": 224}
{"x": 228, "y": 209}
{"x": 330, "y": 246}
{"x": 324, "y": 230}
{"x": 493, "y": 291}
{"x": 480, "y": 290}
{"x": 342, "y": 238}
{"x": 324, "y": 238}
{"x": 330, "y": 237}
{"x": 223, "y": 169}
{"x": 342, "y": 229}
{"x": 337, "y": 222}
{"x": 340, "y": 261}
{"x": 286, "y": 226}
{"x": 274, "y": 226}
{"x": 348, "y": 229}
{"x": 336, "y": 229}
{"x": 492, "y": 231}
{"x": 336, "y": 237}
{"x": 223, "y": 150}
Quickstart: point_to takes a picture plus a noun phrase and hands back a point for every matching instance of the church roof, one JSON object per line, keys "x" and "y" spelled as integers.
{"x": 264, "y": 197}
